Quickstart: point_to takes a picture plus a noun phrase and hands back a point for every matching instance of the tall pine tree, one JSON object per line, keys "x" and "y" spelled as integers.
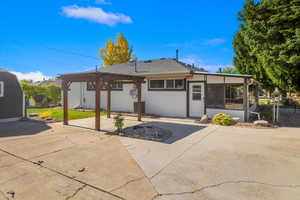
{"x": 268, "y": 43}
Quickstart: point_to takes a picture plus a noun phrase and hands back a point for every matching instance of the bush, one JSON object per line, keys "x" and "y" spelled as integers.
{"x": 266, "y": 112}
{"x": 46, "y": 114}
{"x": 223, "y": 119}
{"x": 118, "y": 122}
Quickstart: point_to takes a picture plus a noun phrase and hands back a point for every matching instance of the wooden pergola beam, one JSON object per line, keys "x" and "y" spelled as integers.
{"x": 108, "y": 103}
{"x": 139, "y": 103}
{"x": 65, "y": 87}
{"x": 97, "y": 105}
{"x": 99, "y": 78}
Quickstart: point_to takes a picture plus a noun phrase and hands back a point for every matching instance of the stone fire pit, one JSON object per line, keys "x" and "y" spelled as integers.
{"x": 147, "y": 132}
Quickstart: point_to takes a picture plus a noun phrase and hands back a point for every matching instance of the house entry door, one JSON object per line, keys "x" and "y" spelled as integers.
{"x": 196, "y": 99}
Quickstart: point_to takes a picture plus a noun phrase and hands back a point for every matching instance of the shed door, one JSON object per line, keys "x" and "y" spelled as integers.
{"x": 196, "y": 107}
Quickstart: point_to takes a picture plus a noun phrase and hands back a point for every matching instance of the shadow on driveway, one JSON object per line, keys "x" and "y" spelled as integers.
{"x": 178, "y": 130}
{"x": 22, "y": 128}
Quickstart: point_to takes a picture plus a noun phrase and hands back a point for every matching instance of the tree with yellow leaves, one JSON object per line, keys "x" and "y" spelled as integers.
{"x": 116, "y": 53}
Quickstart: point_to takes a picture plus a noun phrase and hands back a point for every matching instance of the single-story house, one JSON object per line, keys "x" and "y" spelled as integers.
{"x": 171, "y": 88}
{"x": 12, "y": 99}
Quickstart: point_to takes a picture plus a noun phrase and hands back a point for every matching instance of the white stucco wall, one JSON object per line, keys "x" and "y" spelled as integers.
{"x": 120, "y": 100}
{"x": 162, "y": 103}
{"x": 165, "y": 103}
{"x": 74, "y": 95}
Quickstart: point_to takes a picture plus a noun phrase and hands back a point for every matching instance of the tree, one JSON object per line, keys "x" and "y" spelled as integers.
{"x": 228, "y": 70}
{"x": 124, "y": 52}
{"x": 268, "y": 43}
{"x": 116, "y": 53}
{"x": 42, "y": 94}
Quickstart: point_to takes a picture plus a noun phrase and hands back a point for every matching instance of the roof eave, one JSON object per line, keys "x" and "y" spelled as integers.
{"x": 223, "y": 74}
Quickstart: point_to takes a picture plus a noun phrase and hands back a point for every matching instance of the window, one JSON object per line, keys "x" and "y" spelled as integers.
{"x": 117, "y": 85}
{"x": 157, "y": 84}
{"x": 234, "y": 96}
{"x": 175, "y": 84}
{"x": 1, "y": 89}
{"x": 170, "y": 83}
{"x": 90, "y": 86}
{"x": 225, "y": 96}
{"x": 179, "y": 84}
{"x": 196, "y": 92}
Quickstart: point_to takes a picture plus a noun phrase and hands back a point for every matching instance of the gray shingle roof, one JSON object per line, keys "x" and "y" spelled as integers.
{"x": 160, "y": 66}
{"x": 157, "y": 66}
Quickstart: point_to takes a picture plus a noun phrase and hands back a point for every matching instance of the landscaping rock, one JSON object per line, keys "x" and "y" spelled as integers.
{"x": 261, "y": 123}
{"x": 204, "y": 119}
{"x": 237, "y": 119}
{"x": 147, "y": 132}
{"x": 33, "y": 115}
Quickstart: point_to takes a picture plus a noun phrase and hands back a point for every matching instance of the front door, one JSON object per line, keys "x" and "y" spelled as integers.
{"x": 196, "y": 99}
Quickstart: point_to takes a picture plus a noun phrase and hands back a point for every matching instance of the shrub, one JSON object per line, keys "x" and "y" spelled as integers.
{"x": 45, "y": 114}
{"x": 118, "y": 122}
{"x": 223, "y": 119}
{"x": 266, "y": 112}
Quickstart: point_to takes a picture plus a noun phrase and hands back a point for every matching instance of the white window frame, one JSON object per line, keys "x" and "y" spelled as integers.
{"x": 165, "y": 84}
{"x": 1, "y": 88}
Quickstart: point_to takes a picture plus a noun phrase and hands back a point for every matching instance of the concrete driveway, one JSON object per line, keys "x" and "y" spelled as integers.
{"x": 39, "y": 161}
{"x": 198, "y": 162}
{"x": 222, "y": 163}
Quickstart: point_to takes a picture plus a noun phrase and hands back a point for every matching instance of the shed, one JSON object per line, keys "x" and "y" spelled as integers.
{"x": 12, "y": 99}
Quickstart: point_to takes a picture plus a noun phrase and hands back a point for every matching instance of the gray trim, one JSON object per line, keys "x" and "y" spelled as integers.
{"x": 225, "y": 75}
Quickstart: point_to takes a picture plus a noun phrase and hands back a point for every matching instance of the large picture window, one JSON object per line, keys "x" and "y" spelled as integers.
{"x": 225, "y": 96}
{"x": 1, "y": 89}
{"x": 172, "y": 84}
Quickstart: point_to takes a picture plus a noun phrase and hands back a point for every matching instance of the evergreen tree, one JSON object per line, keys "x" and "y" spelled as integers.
{"x": 268, "y": 43}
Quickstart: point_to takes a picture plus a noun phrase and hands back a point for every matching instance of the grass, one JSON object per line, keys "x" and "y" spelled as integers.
{"x": 57, "y": 113}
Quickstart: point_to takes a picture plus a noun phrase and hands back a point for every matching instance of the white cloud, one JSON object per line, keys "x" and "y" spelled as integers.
{"x": 214, "y": 42}
{"x": 103, "y": 2}
{"x": 34, "y": 76}
{"x": 95, "y": 14}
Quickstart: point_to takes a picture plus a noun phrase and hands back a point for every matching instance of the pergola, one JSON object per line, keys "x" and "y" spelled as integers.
{"x": 100, "y": 80}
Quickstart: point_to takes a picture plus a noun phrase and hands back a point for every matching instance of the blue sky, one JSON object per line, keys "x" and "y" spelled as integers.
{"x": 49, "y": 37}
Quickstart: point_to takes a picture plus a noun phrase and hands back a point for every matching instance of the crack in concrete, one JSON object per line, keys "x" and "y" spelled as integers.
{"x": 180, "y": 155}
{"x": 223, "y": 183}
{"x": 128, "y": 182}
{"x": 65, "y": 175}
{"x": 3, "y": 194}
{"x": 76, "y": 192}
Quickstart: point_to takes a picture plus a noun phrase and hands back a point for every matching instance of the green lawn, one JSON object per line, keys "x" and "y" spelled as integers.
{"x": 57, "y": 113}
